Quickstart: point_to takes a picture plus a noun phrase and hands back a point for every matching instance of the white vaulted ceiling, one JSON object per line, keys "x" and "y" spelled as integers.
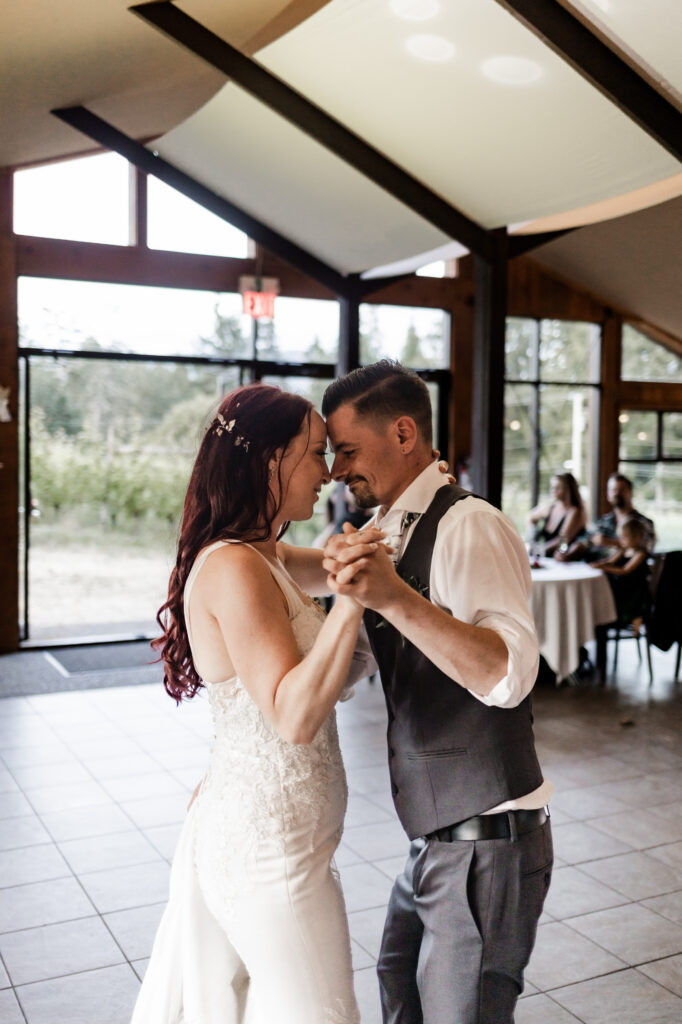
{"x": 457, "y": 92}
{"x": 57, "y": 53}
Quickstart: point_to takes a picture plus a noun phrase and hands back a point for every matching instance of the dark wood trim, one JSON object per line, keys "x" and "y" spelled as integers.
{"x": 658, "y": 396}
{"x": 461, "y": 365}
{"x": 315, "y": 122}
{"x": 608, "y": 408}
{"x": 349, "y": 335}
{"x": 9, "y": 432}
{"x": 96, "y": 128}
{"x": 519, "y": 245}
{"x": 490, "y": 312}
{"x": 597, "y": 63}
{"x": 138, "y": 207}
{"x": 118, "y": 264}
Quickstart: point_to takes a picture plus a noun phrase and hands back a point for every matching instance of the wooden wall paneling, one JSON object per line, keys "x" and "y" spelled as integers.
{"x": 9, "y": 449}
{"x": 658, "y": 395}
{"x": 535, "y": 293}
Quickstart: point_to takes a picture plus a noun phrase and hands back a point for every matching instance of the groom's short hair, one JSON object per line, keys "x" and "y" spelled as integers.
{"x": 382, "y": 391}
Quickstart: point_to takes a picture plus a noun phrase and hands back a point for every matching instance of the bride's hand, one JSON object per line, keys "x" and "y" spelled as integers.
{"x": 443, "y": 466}
{"x": 347, "y": 547}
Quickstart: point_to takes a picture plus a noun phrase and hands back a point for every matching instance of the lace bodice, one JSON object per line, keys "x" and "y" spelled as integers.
{"x": 260, "y": 789}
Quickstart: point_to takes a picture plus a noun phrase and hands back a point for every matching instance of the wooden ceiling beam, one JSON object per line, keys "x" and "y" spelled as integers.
{"x": 317, "y": 123}
{"x": 101, "y": 131}
{"x": 571, "y": 40}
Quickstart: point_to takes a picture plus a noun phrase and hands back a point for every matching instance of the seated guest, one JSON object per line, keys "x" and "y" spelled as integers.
{"x": 561, "y": 522}
{"x": 628, "y": 573}
{"x": 602, "y": 536}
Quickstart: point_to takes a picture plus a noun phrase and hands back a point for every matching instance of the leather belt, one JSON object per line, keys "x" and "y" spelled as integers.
{"x": 503, "y": 825}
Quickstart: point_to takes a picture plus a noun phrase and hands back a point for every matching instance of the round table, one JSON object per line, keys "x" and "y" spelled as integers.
{"x": 568, "y": 601}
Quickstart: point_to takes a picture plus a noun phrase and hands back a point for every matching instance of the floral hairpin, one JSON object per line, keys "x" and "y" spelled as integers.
{"x": 220, "y": 426}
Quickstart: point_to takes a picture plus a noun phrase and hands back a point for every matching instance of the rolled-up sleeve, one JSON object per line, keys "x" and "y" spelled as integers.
{"x": 480, "y": 574}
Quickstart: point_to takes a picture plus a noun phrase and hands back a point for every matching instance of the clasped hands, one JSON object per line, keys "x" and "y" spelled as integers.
{"x": 358, "y": 565}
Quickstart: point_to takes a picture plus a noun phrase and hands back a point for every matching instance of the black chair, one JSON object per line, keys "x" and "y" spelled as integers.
{"x": 665, "y": 627}
{"x": 618, "y": 631}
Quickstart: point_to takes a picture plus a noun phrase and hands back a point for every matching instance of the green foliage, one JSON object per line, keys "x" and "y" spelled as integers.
{"x": 644, "y": 359}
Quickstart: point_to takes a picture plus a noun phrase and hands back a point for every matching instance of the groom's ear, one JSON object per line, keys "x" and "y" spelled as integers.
{"x": 406, "y": 433}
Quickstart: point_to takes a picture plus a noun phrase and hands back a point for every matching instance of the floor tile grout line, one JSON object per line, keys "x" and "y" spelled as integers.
{"x": 661, "y": 984}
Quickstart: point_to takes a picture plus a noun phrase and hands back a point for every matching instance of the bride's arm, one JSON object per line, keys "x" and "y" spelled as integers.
{"x": 305, "y": 564}
{"x": 295, "y": 694}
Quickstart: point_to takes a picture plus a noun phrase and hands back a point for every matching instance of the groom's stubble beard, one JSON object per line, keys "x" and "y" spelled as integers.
{"x": 363, "y": 495}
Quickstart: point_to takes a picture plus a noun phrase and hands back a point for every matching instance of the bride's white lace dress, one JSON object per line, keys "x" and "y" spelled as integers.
{"x": 255, "y": 931}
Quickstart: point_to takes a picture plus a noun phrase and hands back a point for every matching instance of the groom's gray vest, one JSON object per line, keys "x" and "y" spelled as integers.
{"x": 450, "y": 756}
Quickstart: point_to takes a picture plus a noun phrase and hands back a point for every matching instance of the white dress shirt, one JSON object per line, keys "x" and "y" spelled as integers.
{"x": 479, "y": 574}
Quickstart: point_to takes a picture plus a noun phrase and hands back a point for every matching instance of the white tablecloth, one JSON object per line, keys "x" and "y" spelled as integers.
{"x": 568, "y": 600}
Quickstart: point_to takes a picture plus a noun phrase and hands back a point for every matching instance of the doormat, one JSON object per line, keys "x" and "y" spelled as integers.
{"x": 104, "y": 657}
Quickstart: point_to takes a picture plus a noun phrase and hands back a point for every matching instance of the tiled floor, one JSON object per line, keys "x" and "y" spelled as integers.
{"x": 93, "y": 787}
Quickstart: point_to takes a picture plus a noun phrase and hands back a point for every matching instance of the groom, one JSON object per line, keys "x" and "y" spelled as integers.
{"x": 457, "y": 651}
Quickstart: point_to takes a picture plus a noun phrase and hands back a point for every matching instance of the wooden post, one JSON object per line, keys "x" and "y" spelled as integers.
{"x": 609, "y": 406}
{"x": 9, "y": 448}
{"x": 349, "y": 335}
{"x": 489, "y": 333}
{"x": 461, "y": 364}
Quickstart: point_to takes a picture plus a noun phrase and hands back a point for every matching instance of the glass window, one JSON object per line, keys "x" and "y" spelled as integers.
{"x": 565, "y": 417}
{"x": 303, "y": 331}
{"x": 559, "y": 359}
{"x": 638, "y": 435}
{"x": 177, "y": 223}
{"x": 312, "y": 388}
{"x": 131, "y": 318}
{"x": 112, "y": 445}
{"x": 566, "y": 350}
{"x": 657, "y": 492}
{"x": 672, "y": 435}
{"x": 518, "y": 444}
{"x": 418, "y": 337}
{"x": 85, "y": 200}
{"x": 520, "y": 343}
{"x": 644, "y": 359}
{"x": 435, "y": 269}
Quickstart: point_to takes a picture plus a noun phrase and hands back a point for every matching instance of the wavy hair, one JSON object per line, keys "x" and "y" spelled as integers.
{"x": 228, "y": 498}
{"x": 571, "y": 484}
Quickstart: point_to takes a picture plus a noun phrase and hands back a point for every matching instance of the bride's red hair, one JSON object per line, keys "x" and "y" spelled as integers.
{"x": 228, "y": 498}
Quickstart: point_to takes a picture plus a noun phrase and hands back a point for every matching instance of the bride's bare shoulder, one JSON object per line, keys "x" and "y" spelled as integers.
{"x": 236, "y": 572}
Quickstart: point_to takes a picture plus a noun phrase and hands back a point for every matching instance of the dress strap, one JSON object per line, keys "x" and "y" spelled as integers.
{"x": 293, "y": 599}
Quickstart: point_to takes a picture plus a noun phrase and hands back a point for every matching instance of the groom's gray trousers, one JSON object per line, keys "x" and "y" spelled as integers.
{"x": 460, "y": 929}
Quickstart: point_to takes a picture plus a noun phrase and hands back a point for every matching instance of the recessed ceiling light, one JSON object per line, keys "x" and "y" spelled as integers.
{"x": 415, "y": 10}
{"x": 514, "y": 425}
{"x": 435, "y": 48}
{"x": 512, "y": 70}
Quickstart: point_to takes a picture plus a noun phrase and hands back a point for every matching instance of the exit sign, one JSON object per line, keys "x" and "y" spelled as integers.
{"x": 258, "y": 304}
{"x": 258, "y": 295}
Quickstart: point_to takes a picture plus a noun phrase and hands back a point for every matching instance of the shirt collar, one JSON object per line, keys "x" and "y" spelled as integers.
{"x": 418, "y": 495}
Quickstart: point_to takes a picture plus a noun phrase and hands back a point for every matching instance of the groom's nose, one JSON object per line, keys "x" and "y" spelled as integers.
{"x": 338, "y": 471}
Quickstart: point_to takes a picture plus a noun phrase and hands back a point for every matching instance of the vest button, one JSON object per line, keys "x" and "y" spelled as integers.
{"x": 394, "y": 789}
{"x": 391, "y": 752}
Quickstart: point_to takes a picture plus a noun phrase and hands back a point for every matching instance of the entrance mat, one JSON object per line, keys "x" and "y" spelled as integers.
{"x": 104, "y": 657}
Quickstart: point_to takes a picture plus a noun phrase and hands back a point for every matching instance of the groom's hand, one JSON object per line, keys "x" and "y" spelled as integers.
{"x": 349, "y": 546}
{"x": 370, "y": 580}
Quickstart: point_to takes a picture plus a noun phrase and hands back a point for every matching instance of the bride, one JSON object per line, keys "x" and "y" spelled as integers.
{"x": 255, "y": 930}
